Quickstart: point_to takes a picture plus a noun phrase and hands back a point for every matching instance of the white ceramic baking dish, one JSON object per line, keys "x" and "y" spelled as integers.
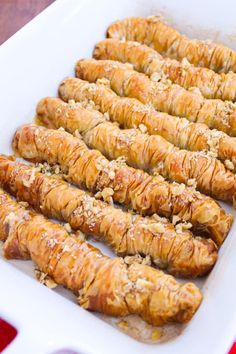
{"x": 32, "y": 64}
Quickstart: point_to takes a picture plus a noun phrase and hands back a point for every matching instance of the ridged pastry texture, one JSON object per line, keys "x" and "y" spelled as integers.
{"x": 154, "y": 32}
{"x": 178, "y": 252}
{"x": 155, "y": 154}
{"x": 148, "y": 61}
{"x": 90, "y": 169}
{"x": 163, "y": 96}
{"x": 131, "y": 113}
{"x": 102, "y": 284}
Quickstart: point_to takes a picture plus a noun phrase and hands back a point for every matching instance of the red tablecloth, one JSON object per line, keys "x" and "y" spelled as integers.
{"x": 233, "y": 349}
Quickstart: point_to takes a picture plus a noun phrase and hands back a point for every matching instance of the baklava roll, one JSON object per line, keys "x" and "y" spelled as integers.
{"x": 154, "y": 154}
{"x": 163, "y": 96}
{"x": 130, "y": 187}
{"x": 148, "y": 61}
{"x": 177, "y": 252}
{"x": 102, "y": 284}
{"x": 154, "y": 32}
{"x": 131, "y": 113}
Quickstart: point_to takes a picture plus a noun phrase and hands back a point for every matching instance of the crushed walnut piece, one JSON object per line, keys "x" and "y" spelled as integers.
{"x": 103, "y": 81}
{"x": 213, "y": 141}
{"x": 45, "y": 279}
{"x": 185, "y": 64}
{"x": 24, "y": 204}
{"x": 156, "y": 228}
{"x": 138, "y": 259}
{"x": 80, "y": 235}
{"x": 177, "y": 189}
{"x": 181, "y": 227}
{"x": 106, "y": 194}
{"x": 109, "y": 167}
{"x": 142, "y": 128}
{"x": 67, "y": 227}
{"x": 192, "y": 183}
{"x": 158, "y": 218}
{"x": 106, "y": 116}
{"x": 49, "y": 170}
{"x": 229, "y": 164}
{"x": 90, "y": 105}
{"x": 73, "y": 105}
{"x": 175, "y": 219}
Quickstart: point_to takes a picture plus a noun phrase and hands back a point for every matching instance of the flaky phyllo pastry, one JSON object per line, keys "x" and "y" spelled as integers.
{"x": 163, "y": 96}
{"x": 176, "y": 251}
{"x": 102, "y": 284}
{"x": 153, "y": 153}
{"x": 147, "y": 60}
{"x": 90, "y": 169}
{"x": 154, "y": 32}
{"x": 131, "y": 113}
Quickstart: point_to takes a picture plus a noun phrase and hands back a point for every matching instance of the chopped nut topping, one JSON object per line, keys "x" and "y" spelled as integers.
{"x": 90, "y": 105}
{"x": 175, "y": 219}
{"x": 106, "y": 194}
{"x": 137, "y": 259}
{"x": 142, "y": 128}
{"x": 73, "y": 105}
{"x": 49, "y": 170}
{"x": 103, "y": 81}
{"x": 192, "y": 182}
{"x": 156, "y": 228}
{"x": 109, "y": 167}
{"x": 80, "y": 235}
{"x": 183, "y": 227}
{"x": 24, "y": 204}
{"x": 68, "y": 227}
{"x": 106, "y": 116}
{"x": 159, "y": 218}
{"x": 229, "y": 164}
{"x": 45, "y": 279}
{"x": 185, "y": 64}
{"x": 178, "y": 189}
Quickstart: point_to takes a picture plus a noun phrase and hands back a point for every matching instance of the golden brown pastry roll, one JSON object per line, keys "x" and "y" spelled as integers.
{"x": 146, "y": 194}
{"x": 130, "y": 113}
{"x": 148, "y": 61}
{"x": 178, "y": 252}
{"x": 102, "y": 284}
{"x": 155, "y": 154}
{"x": 164, "y": 97}
{"x": 166, "y": 40}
